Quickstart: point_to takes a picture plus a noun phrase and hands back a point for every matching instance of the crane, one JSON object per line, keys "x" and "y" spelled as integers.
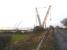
{"x": 45, "y": 19}
{"x": 38, "y": 17}
{"x": 41, "y": 25}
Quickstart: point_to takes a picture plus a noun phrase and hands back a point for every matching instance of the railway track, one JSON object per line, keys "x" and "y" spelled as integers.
{"x": 44, "y": 37}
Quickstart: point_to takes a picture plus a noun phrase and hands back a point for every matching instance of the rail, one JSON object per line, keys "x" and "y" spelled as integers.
{"x": 44, "y": 37}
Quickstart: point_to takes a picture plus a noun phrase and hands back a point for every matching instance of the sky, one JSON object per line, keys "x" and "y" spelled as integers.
{"x": 22, "y": 14}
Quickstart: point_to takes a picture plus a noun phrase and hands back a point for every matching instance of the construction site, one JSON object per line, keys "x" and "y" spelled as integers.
{"x": 33, "y": 25}
{"x": 38, "y": 38}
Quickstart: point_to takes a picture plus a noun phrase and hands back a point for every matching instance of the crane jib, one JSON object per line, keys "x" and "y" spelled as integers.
{"x": 38, "y": 17}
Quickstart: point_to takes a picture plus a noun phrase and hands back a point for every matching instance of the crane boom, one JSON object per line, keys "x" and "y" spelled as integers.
{"x": 38, "y": 17}
{"x": 44, "y": 22}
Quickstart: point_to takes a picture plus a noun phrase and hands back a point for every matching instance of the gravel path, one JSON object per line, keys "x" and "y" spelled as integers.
{"x": 60, "y": 38}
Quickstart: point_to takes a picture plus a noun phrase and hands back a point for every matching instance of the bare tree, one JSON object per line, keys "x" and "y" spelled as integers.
{"x": 64, "y": 22}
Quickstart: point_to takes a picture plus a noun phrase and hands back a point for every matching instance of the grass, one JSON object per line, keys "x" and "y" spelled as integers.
{"x": 18, "y": 37}
{"x": 50, "y": 43}
{"x": 32, "y": 42}
{"x": 28, "y": 44}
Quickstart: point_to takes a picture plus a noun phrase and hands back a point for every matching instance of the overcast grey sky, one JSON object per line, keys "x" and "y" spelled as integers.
{"x": 22, "y": 14}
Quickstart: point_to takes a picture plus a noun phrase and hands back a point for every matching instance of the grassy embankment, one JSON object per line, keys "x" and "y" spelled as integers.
{"x": 27, "y": 42}
{"x": 31, "y": 43}
{"x": 18, "y": 37}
